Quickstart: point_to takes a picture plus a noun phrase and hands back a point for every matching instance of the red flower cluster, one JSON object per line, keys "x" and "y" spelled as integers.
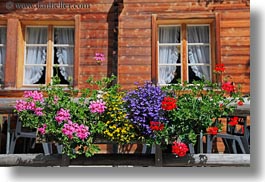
{"x": 219, "y": 68}
{"x": 156, "y": 125}
{"x": 233, "y": 121}
{"x": 228, "y": 86}
{"x": 240, "y": 103}
{"x": 169, "y": 103}
{"x": 179, "y": 148}
{"x": 212, "y": 130}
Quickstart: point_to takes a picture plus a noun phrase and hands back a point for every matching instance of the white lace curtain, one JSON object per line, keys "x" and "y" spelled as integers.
{"x": 168, "y": 54}
{"x": 65, "y": 55}
{"x": 35, "y": 54}
{"x": 2, "y": 52}
{"x": 199, "y": 53}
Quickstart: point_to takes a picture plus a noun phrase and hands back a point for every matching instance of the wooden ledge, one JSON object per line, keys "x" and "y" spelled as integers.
{"x": 143, "y": 160}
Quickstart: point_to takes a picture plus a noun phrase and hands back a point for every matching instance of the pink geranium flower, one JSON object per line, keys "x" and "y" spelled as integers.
{"x": 99, "y": 57}
{"x": 98, "y": 106}
{"x": 62, "y": 115}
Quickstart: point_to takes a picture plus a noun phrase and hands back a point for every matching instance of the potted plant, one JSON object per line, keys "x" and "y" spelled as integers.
{"x": 61, "y": 117}
{"x": 199, "y": 106}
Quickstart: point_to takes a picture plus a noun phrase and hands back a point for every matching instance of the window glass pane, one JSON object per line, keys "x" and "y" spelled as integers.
{"x": 34, "y": 75}
{"x": 36, "y": 55}
{"x": 199, "y": 61}
{"x": 169, "y": 34}
{"x": 169, "y": 74}
{"x": 64, "y": 36}
{"x": 36, "y": 35}
{"x": 198, "y": 34}
{"x": 2, "y": 52}
{"x": 63, "y": 55}
{"x": 169, "y": 55}
{"x": 2, "y": 35}
{"x": 2, "y": 62}
{"x": 2, "y": 55}
{"x": 61, "y": 72}
{"x": 199, "y": 72}
{"x": 1, "y": 74}
{"x": 199, "y": 54}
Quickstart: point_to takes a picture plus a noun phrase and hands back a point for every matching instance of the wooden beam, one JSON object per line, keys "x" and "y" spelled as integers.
{"x": 242, "y": 160}
{"x": 77, "y": 50}
{"x": 11, "y": 56}
{"x": 20, "y": 57}
{"x": 49, "y": 58}
{"x": 184, "y": 54}
{"x": 158, "y": 156}
{"x": 169, "y": 160}
{"x": 217, "y": 46}
{"x": 154, "y": 54}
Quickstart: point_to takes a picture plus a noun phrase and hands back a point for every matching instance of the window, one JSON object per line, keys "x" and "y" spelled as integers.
{"x": 2, "y": 52}
{"x": 184, "y": 51}
{"x": 49, "y": 51}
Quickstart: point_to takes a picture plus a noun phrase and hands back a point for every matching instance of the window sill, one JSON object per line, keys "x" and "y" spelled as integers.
{"x": 17, "y": 93}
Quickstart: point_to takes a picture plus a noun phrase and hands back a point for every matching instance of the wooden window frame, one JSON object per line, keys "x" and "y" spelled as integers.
{"x": 50, "y": 45}
{"x": 200, "y": 19}
{"x": 50, "y": 24}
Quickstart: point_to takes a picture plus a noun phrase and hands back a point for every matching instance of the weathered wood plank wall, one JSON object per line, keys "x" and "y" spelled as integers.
{"x": 135, "y": 36}
{"x": 97, "y": 22}
{"x": 131, "y": 21}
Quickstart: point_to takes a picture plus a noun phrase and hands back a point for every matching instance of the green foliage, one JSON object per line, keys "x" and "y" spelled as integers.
{"x": 199, "y": 105}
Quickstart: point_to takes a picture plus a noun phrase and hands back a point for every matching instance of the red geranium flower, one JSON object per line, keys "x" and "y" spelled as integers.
{"x": 228, "y": 86}
{"x": 240, "y": 103}
{"x": 233, "y": 121}
{"x": 219, "y": 68}
{"x": 169, "y": 103}
{"x": 212, "y": 130}
{"x": 156, "y": 125}
{"x": 179, "y": 148}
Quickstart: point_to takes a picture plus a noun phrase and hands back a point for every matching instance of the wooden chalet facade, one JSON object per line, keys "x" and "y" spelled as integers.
{"x": 36, "y": 36}
{"x": 130, "y": 33}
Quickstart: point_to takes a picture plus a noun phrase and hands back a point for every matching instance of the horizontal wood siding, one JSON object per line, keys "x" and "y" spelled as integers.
{"x": 235, "y": 46}
{"x": 96, "y": 34}
{"x": 98, "y": 30}
{"x": 135, "y": 30}
{"x": 95, "y": 38}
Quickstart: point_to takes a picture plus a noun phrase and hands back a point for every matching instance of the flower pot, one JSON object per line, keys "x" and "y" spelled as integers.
{"x": 47, "y": 148}
{"x": 59, "y": 148}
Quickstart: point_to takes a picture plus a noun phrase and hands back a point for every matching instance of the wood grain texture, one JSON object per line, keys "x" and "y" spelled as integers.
{"x": 132, "y": 21}
{"x": 231, "y": 26}
{"x": 165, "y": 160}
